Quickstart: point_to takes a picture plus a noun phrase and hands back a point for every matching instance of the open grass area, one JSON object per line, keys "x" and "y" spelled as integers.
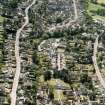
{"x": 98, "y": 17}
{"x": 59, "y": 96}
{"x": 95, "y": 7}
{"x": 1, "y": 19}
{"x": 52, "y": 82}
{"x": 101, "y": 1}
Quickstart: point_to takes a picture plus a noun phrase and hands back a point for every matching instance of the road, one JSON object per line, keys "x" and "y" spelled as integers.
{"x": 69, "y": 23}
{"x": 94, "y": 58}
{"x": 59, "y": 92}
{"x": 59, "y": 67}
{"x": 13, "y": 94}
{"x": 59, "y": 62}
{"x": 39, "y": 47}
{"x": 89, "y": 102}
{"x": 75, "y": 9}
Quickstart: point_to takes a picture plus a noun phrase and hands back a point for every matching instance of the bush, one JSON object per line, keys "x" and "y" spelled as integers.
{"x": 86, "y": 80}
{"x": 47, "y": 75}
{"x": 59, "y": 20}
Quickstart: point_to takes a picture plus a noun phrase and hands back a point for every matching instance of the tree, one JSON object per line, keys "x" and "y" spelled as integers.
{"x": 63, "y": 75}
{"x": 51, "y": 95}
{"x": 35, "y": 58}
{"x": 56, "y": 74}
{"x": 83, "y": 78}
{"x": 45, "y": 36}
{"x": 59, "y": 20}
{"x": 94, "y": 1}
{"x": 92, "y": 96}
{"x": 86, "y": 80}
{"x": 47, "y": 75}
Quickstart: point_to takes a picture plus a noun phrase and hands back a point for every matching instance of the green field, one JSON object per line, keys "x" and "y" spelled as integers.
{"x": 1, "y": 19}
{"x": 95, "y": 7}
{"x": 99, "y": 17}
{"x": 101, "y": 1}
{"x": 52, "y": 83}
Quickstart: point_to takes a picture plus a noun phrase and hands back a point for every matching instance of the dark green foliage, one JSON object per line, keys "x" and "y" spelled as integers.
{"x": 51, "y": 95}
{"x": 101, "y": 12}
{"x": 59, "y": 20}
{"x": 92, "y": 96}
{"x": 63, "y": 75}
{"x": 86, "y": 80}
{"x": 94, "y": 1}
{"x": 47, "y": 75}
{"x": 35, "y": 58}
{"x": 56, "y": 74}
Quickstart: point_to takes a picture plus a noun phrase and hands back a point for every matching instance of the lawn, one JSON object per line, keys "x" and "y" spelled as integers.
{"x": 99, "y": 17}
{"x": 1, "y": 19}
{"x": 52, "y": 82}
{"x": 95, "y": 7}
{"x": 101, "y": 1}
{"x": 59, "y": 96}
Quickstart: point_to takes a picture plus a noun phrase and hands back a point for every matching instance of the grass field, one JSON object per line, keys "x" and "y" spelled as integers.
{"x": 95, "y": 7}
{"x": 101, "y": 1}
{"x": 52, "y": 82}
{"x": 1, "y": 19}
{"x": 59, "y": 96}
{"x": 99, "y": 17}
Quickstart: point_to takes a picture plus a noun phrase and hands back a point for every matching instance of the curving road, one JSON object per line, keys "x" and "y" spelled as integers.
{"x": 75, "y": 10}
{"x": 94, "y": 58}
{"x": 70, "y": 22}
{"x": 58, "y": 83}
{"x": 18, "y": 59}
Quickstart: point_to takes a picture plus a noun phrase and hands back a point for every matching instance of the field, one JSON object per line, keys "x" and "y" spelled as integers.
{"x": 101, "y": 1}
{"x": 95, "y": 7}
{"x": 1, "y": 19}
{"x": 99, "y": 17}
{"x": 52, "y": 83}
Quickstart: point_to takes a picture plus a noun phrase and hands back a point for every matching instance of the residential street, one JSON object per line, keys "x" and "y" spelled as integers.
{"x": 96, "y": 64}
{"x": 18, "y": 59}
{"x": 69, "y": 23}
{"x": 75, "y": 10}
{"x": 52, "y": 52}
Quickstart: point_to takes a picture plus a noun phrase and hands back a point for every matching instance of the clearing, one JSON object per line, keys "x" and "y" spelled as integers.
{"x": 95, "y": 7}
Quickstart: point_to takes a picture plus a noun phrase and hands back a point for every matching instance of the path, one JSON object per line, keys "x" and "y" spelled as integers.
{"x": 18, "y": 59}
{"x": 75, "y": 10}
{"x": 59, "y": 67}
{"x": 94, "y": 58}
{"x": 70, "y": 22}
{"x": 59, "y": 92}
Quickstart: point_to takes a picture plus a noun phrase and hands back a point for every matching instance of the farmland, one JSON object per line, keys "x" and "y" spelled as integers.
{"x": 101, "y": 1}
{"x": 92, "y": 8}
